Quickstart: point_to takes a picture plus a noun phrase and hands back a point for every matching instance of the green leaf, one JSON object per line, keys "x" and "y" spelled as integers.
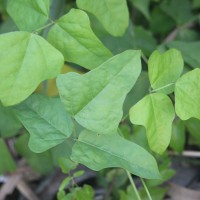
{"x": 181, "y": 15}
{"x": 187, "y": 95}
{"x": 142, "y": 6}
{"x": 40, "y": 162}
{"x": 165, "y": 69}
{"x": 9, "y": 124}
{"x": 28, "y": 15}
{"x": 46, "y": 120}
{"x": 178, "y": 136}
{"x": 7, "y": 163}
{"x": 113, "y": 14}
{"x": 95, "y": 99}
{"x": 102, "y": 151}
{"x": 73, "y": 36}
{"x": 85, "y": 193}
{"x": 155, "y": 112}
{"x": 25, "y": 60}
{"x": 189, "y": 50}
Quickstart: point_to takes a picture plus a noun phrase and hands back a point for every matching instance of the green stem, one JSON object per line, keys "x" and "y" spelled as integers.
{"x": 133, "y": 185}
{"x": 43, "y": 27}
{"x": 144, "y": 58}
{"x": 146, "y": 189}
{"x": 162, "y": 87}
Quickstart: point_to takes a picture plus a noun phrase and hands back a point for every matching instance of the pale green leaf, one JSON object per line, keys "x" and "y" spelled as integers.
{"x": 9, "y": 124}
{"x": 73, "y": 36}
{"x": 142, "y": 6}
{"x": 187, "y": 95}
{"x": 95, "y": 99}
{"x": 7, "y": 163}
{"x": 164, "y": 69}
{"x": 102, "y": 151}
{"x": 113, "y": 14}
{"x": 25, "y": 60}
{"x": 46, "y": 120}
{"x": 155, "y": 112}
{"x": 189, "y": 50}
{"x": 28, "y": 15}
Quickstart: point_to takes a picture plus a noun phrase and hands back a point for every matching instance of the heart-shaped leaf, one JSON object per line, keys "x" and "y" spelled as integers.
{"x": 187, "y": 95}
{"x": 46, "y": 120}
{"x": 95, "y": 99}
{"x": 73, "y": 36}
{"x": 26, "y": 59}
{"x": 155, "y": 112}
{"x": 102, "y": 151}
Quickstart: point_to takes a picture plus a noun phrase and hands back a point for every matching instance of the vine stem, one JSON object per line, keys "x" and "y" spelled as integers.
{"x": 146, "y": 189}
{"x": 133, "y": 185}
{"x": 162, "y": 87}
{"x": 43, "y": 27}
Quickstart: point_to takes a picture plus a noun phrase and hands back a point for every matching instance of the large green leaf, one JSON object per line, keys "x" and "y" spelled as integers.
{"x": 156, "y": 113}
{"x": 187, "y": 95}
{"x": 102, "y": 151}
{"x": 142, "y": 6}
{"x": 28, "y": 15}
{"x": 9, "y": 124}
{"x": 113, "y": 14}
{"x": 95, "y": 99}
{"x": 189, "y": 50}
{"x": 165, "y": 69}
{"x": 25, "y": 60}
{"x": 7, "y": 163}
{"x": 73, "y": 36}
{"x": 46, "y": 120}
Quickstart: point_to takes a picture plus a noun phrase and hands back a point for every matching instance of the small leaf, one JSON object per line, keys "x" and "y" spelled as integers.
{"x": 155, "y": 112}
{"x": 73, "y": 36}
{"x": 28, "y": 15}
{"x": 93, "y": 99}
{"x": 189, "y": 50}
{"x": 102, "y": 151}
{"x": 46, "y": 120}
{"x": 142, "y": 6}
{"x": 165, "y": 69}
{"x": 7, "y": 163}
{"x": 25, "y": 60}
{"x": 113, "y": 14}
{"x": 187, "y": 95}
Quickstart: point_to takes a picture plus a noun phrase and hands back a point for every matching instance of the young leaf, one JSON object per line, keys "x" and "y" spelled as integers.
{"x": 7, "y": 163}
{"x": 25, "y": 60}
{"x": 155, "y": 112}
{"x": 187, "y": 95}
{"x": 113, "y": 14}
{"x": 73, "y": 36}
{"x": 28, "y": 15}
{"x": 189, "y": 50}
{"x": 165, "y": 69}
{"x": 46, "y": 120}
{"x": 95, "y": 99}
{"x": 102, "y": 151}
